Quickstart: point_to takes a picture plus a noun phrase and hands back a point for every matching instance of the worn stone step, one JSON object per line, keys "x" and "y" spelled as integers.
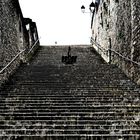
{"x": 93, "y": 122}
{"x": 65, "y": 103}
{"x": 73, "y": 111}
{"x": 93, "y": 132}
{"x": 66, "y": 126}
{"x": 84, "y": 99}
{"x": 71, "y": 114}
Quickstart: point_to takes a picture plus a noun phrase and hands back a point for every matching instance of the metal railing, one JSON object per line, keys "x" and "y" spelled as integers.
{"x": 111, "y": 50}
{"x": 128, "y": 59}
{"x": 99, "y": 46}
{"x": 33, "y": 46}
{"x": 3, "y": 69}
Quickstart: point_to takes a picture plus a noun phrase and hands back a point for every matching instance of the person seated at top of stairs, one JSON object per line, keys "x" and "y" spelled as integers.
{"x": 69, "y": 59}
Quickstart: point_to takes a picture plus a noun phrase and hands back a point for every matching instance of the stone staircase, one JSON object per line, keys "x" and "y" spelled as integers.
{"x": 89, "y": 100}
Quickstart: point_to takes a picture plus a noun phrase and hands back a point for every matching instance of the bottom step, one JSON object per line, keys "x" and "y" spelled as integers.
{"x": 72, "y": 138}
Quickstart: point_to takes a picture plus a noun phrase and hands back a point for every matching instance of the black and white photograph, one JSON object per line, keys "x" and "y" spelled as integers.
{"x": 69, "y": 69}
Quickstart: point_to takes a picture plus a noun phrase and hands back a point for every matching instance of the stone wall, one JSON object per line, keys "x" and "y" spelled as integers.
{"x": 116, "y": 25}
{"x": 14, "y": 36}
{"x": 135, "y": 51}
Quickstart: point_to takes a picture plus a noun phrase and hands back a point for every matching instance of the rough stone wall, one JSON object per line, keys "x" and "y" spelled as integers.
{"x": 118, "y": 28}
{"x": 123, "y": 36}
{"x": 135, "y": 51}
{"x": 9, "y": 45}
{"x": 14, "y": 37}
{"x": 104, "y": 26}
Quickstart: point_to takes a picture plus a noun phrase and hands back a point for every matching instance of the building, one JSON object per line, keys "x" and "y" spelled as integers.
{"x": 14, "y": 36}
{"x": 116, "y": 31}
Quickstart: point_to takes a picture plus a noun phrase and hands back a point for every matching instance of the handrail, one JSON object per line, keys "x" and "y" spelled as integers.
{"x": 99, "y": 46}
{"x": 33, "y": 45}
{"x": 3, "y": 69}
{"x": 128, "y": 59}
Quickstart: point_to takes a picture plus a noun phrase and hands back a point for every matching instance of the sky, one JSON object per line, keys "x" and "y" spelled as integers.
{"x": 59, "y": 21}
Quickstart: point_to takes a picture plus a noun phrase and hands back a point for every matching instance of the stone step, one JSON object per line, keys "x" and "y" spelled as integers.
{"x": 72, "y": 114}
{"x": 77, "y": 119}
{"x": 70, "y": 93}
{"x": 93, "y": 122}
{"x": 67, "y": 126}
{"x": 65, "y": 103}
{"x": 76, "y": 132}
{"x": 72, "y": 110}
{"x": 58, "y": 103}
{"x": 69, "y": 86}
{"x": 75, "y": 96}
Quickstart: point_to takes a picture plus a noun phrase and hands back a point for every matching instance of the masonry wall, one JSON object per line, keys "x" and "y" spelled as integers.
{"x": 14, "y": 37}
{"x": 135, "y": 53}
{"x": 116, "y": 25}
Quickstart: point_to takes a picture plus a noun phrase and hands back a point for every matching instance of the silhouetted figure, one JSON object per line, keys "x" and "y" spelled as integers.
{"x": 69, "y": 52}
{"x": 69, "y": 59}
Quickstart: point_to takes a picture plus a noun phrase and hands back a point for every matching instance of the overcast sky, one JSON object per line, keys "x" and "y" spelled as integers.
{"x": 59, "y": 20}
